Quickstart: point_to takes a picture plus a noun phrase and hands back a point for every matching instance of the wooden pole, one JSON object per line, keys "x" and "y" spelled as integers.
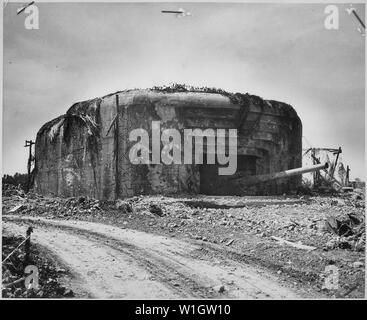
{"x": 338, "y": 152}
{"x": 27, "y": 246}
{"x": 29, "y": 144}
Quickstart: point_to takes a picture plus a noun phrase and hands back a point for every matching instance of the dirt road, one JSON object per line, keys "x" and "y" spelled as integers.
{"x": 111, "y": 262}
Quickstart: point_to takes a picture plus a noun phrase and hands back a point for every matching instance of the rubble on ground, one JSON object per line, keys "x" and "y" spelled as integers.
{"x": 14, "y": 201}
{"x": 333, "y": 226}
{"x": 324, "y": 222}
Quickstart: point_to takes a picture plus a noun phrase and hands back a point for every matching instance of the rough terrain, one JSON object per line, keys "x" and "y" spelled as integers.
{"x": 209, "y": 247}
{"x": 115, "y": 263}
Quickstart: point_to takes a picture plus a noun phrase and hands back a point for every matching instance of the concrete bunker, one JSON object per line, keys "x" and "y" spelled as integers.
{"x": 85, "y": 152}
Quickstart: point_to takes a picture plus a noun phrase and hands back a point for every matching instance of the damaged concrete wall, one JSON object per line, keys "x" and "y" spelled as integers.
{"x": 85, "y": 151}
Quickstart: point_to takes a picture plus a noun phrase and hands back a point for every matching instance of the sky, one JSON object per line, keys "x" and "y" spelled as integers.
{"x": 277, "y": 51}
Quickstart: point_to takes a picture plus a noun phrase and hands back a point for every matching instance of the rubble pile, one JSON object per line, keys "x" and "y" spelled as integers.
{"x": 34, "y": 204}
{"x": 324, "y": 222}
{"x": 295, "y": 235}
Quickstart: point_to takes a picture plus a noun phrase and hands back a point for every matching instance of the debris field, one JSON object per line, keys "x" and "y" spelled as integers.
{"x": 295, "y": 237}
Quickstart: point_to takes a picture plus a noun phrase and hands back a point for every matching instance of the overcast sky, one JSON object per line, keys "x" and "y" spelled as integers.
{"x": 281, "y": 52}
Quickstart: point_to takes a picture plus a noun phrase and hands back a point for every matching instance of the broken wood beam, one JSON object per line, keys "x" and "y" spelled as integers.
{"x": 293, "y": 244}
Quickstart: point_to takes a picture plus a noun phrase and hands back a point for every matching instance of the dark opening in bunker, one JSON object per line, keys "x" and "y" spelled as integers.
{"x": 213, "y": 184}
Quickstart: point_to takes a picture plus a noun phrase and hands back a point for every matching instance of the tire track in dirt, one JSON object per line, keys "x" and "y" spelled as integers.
{"x": 153, "y": 266}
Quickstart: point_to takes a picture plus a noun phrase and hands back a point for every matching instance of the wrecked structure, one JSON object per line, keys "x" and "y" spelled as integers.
{"x": 336, "y": 178}
{"x": 85, "y": 152}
